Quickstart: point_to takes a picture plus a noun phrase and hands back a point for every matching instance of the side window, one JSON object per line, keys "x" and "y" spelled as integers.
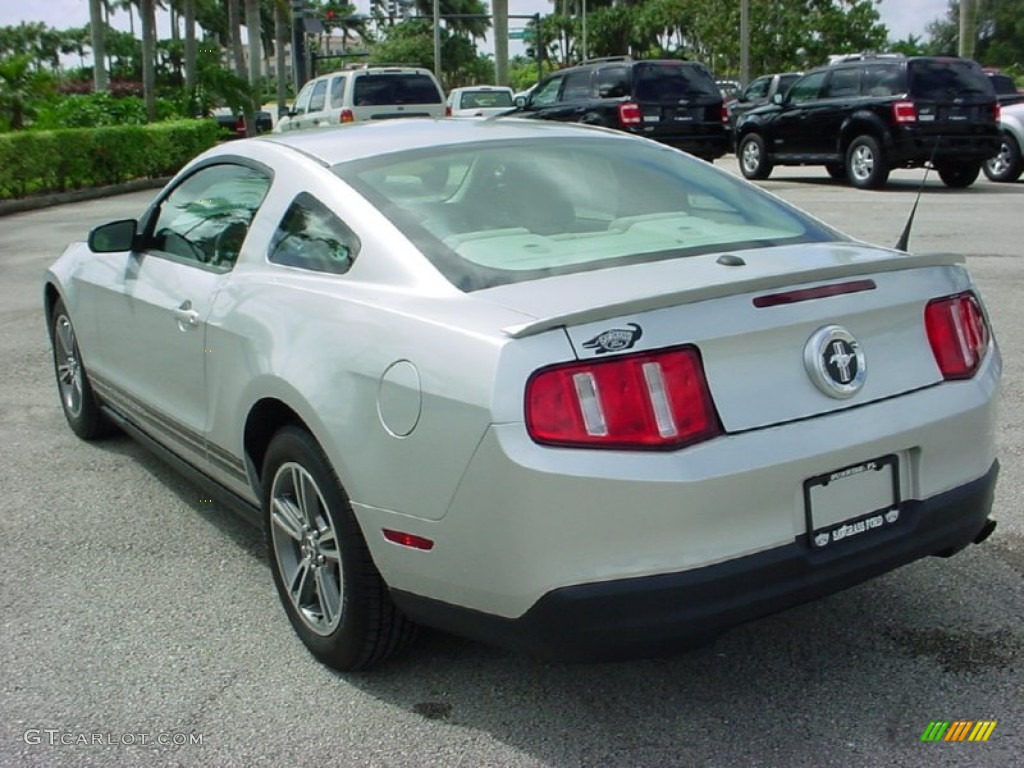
{"x": 302, "y": 100}
{"x": 311, "y": 237}
{"x": 547, "y": 94}
{"x": 316, "y": 101}
{"x": 577, "y": 86}
{"x": 843, "y": 83}
{"x": 881, "y": 81}
{"x": 612, "y": 82}
{"x": 758, "y": 89}
{"x": 204, "y": 220}
{"x": 807, "y": 88}
{"x": 337, "y": 91}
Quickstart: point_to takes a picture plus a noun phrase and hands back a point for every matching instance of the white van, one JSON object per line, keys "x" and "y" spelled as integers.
{"x": 364, "y": 92}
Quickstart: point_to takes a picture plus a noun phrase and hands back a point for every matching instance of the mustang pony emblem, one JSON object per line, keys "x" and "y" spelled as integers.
{"x": 615, "y": 339}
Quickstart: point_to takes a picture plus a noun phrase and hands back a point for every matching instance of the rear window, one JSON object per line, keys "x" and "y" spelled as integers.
{"x": 492, "y": 213}
{"x": 672, "y": 83}
{"x": 944, "y": 79}
{"x": 483, "y": 99}
{"x": 373, "y": 90}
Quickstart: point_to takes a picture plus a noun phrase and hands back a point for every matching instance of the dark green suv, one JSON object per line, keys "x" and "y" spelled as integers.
{"x": 674, "y": 102}
{"x": 865, "y": 115}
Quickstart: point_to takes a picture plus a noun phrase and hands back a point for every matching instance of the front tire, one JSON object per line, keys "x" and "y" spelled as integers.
{"x": 1008, "y": 165}
{"x": 79, "y": 403}
{"x": 959, "y": 176}
{"x": 754, "y": 162}
{"x": 331, "y": 590}
{"x": 865, "y": 165}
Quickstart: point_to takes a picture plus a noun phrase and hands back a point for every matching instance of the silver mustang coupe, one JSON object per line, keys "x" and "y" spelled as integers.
{"x": 557, "y": 388}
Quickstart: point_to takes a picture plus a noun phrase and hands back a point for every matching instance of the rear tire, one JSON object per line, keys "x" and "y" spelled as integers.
{"x": 1008, "y": 165}
{"x": 836, "y": 170}
{"x": 754, "y": 162}
{"x": 865, "y": 165}
{"x": 330, "y": 588}
{"x": 79, "y": 403}
{"x": 959, "y": 176}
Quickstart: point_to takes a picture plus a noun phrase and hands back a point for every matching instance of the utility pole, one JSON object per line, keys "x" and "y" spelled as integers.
{"x": 966, "y": 46}
{"x": 500, "y": 10}
{"x": 437, "y": 40}
{"x": 299, "y": 43}
{"x": 744, "y": 42}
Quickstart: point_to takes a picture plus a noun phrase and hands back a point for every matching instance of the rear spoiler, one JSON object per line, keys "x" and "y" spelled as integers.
{"x": 634, "y": 306}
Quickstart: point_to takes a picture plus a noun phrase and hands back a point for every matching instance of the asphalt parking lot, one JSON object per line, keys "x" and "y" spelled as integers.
{"x": 140, "y": 625}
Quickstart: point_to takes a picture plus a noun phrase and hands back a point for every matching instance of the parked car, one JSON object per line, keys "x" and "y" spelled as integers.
{"x": 478, "y": 101}
{"x": 1006, "y": 88}
{"x": 1008, "y": 165}
{"x": 363, "y": 92}
{"x": 674, "y": 102}
{"x": 235, "y": 123}
{"x": 863, "y": 116}
{"x": 550, "y": 386}
{"x": 729, "y": 89}
{"x": 760, "y": 91}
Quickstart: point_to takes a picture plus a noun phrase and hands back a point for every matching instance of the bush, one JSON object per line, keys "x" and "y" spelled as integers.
{"x": 93, "y": 110}
{"x": 71, "y": 158}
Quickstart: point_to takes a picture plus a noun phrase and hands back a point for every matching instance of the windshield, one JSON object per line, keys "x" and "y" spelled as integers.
{"x": 493, "y": 213}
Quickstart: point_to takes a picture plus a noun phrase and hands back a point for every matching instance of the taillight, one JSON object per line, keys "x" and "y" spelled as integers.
{"x": 725, "y": 114}
{"x": 630, "y": 114}
{"x": 652, "y": 400}
{"x": 904, "y": 112}
{"x": 240, "y": 126}
{"x": 447, "y": 111}
{"x": 958, "y": 334}
{"x": 997, "y": 110}
{"x": 346, "y": 116}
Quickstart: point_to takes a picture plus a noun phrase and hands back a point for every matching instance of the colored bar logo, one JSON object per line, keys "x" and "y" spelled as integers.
{"x": 959, "y": 730}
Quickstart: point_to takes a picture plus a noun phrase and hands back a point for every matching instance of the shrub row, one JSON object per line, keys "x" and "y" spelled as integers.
{"x": 33, "y": 162}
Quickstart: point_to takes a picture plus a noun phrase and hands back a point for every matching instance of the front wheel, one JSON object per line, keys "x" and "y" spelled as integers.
{"x": 865, "y": 165}
{"x": 959, "y": 176}
{"x": 332, "y": 592}
{"x": 1008, "y": 165}
{"x": 81, "y": 408}
{"x": 754, "y": 163}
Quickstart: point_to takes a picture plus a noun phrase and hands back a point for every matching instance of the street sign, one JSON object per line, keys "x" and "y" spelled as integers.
{"x": 520, "y": 34}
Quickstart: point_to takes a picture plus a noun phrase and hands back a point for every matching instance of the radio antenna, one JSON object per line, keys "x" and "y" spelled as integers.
{"x": 904, "y": 241}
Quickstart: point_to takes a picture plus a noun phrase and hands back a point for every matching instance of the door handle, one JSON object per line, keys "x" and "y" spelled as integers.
{"x": 187, "y": 317}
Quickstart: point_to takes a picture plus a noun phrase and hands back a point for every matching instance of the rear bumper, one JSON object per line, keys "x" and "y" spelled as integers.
{"x": 666, "y": 612}
{"x": 914, "y": 150}
{"x": 710, "y": 144}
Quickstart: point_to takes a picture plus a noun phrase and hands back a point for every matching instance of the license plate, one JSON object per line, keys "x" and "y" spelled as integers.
{"x": 852, "y": 502}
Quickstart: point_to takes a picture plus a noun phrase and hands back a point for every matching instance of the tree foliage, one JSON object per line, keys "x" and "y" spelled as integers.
{"x": 998, "y": 26}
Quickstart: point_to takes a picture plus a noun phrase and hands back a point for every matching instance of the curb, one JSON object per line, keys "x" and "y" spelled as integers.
{"x": 21, "y": 205}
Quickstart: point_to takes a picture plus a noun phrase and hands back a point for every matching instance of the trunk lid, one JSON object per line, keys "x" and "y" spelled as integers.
{"x": 753, "y": 326}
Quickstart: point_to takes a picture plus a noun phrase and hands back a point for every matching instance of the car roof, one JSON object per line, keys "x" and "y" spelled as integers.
{"x": 356, "y": 141}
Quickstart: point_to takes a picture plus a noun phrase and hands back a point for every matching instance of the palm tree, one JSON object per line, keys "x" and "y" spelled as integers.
{"x": 253, "y": 27}
{"x": 98, "y": 33}
{"x": 147, "y": 11}
{"x": 235, "y": 35}
{"x": 189, "y": 12}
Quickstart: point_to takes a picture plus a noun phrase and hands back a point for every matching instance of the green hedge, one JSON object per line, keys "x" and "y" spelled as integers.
{"x": 33, "y": 162}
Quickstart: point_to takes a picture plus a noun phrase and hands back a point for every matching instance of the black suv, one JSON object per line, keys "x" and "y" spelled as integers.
{"x": 863, "y": 116}
{"x": 674, "y": 102}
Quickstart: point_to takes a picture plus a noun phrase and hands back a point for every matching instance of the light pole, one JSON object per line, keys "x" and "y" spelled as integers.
{"x": 437, "y": 39}
{"x": 584, "y": 30}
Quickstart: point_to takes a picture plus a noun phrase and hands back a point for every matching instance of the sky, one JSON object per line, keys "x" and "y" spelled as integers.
{"x": 903, "y": 17}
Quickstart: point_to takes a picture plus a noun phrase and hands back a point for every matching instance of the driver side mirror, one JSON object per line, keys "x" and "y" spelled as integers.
{"x": 777, "y": 98}
{"x": 520, "y": 102}
{"x": 113, "y": 237}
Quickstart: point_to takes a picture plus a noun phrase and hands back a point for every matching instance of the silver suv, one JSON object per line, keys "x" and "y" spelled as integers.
{"x": 365, "y": 93}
